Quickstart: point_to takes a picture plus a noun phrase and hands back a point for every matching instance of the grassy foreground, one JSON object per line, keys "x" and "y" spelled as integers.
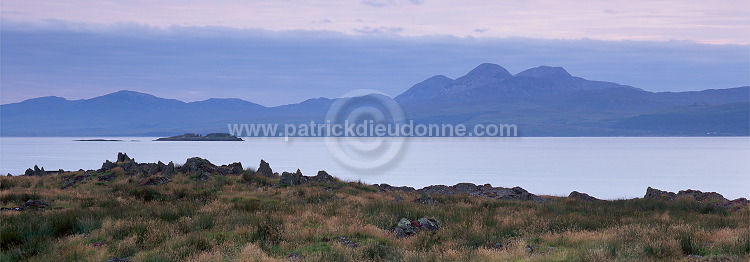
{"x": 246, "y": 218}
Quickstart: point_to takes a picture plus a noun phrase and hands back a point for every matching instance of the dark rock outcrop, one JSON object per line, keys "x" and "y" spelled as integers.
{"x": 711, "y": 198}
{"x": 169, "y": 169}
{"x": 235, "y": 168}
{"x": 424, "y": 198}
{"x": 293, "y": 179}
{"x": 348, "y": 242}
{"x": 155, "y": 181}
{"x": 323, "y": 177}
{"x": 653, "y": 193}
{"x": 296, "y": 178}
{"x": 264, "y": 169}
{"x": 486, "y": 190}
{"x": 120, "y": 259}
{"x": 35, "y": 172}
{"x": 107, "y": 165}
{"x": 29, "y": 205}
{"x": 705, "y": 197}
{"x": 122, "y": 157}
{"x": 153, "y": 169}
{"x": 387, "y": 187}
{"x": 73, "y": 179}
{"x": 197, "y": 165}
{"x": 582, "y": 196}
{"x": 437, "y": 189}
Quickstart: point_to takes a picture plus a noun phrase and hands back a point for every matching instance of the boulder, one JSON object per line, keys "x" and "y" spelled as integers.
{"x": 428, "y": 224}
{"x": 398, "y": 198}
{"x": 582, "y": 196}
{"x": 404, "y": 228}
{"x": 35, "y": 205}
{"x": 323, "y": 177}
{"x": 424, "y": 198}
{"x": 264, "y": 169}
{"x": 197, "y": 165}
{"x": 347, "y": 242}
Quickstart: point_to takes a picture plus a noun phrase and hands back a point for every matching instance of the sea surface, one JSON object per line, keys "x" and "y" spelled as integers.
{"x": 605, "y": 167}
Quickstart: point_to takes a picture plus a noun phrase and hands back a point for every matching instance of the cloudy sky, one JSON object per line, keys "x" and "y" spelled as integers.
{"x": 281, "y": 52}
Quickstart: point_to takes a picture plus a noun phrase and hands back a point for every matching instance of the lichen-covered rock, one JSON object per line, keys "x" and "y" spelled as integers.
{"x": 429, "y": 224}
{"x": 404, "y": 228}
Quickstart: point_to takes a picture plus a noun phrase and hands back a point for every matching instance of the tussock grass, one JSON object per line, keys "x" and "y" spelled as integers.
{"x": 246, "y": 218}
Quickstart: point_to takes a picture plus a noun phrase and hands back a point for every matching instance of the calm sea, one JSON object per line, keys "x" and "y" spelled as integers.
{"x": 611, "y": 167}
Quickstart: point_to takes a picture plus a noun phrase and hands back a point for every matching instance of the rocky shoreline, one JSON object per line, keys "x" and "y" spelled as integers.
{"x": 155, "y": 174}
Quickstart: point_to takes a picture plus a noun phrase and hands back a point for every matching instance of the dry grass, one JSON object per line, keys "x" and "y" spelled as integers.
{"x": 232, "y": 218}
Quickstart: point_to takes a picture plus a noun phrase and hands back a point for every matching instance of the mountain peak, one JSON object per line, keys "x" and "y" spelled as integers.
{"x": 127, "y": 94}
{"x": 545, "y": 72}
{"x": 425, "y": 89}
{"x": 487, "y": 70}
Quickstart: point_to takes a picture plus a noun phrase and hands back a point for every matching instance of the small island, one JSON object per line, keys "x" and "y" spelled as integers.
{"x": 98, "y": 140}
{"x": 199, "y": 137}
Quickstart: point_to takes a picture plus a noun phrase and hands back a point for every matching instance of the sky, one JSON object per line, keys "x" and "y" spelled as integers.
{"x": 283, "y": 52}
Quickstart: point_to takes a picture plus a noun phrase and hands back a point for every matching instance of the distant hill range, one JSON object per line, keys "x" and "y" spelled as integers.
{"x": 541, "y": 101}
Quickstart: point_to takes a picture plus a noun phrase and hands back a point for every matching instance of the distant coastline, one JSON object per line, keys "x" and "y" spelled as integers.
{"x": 99, "y": 140}
{"x": 199, "y": 137}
